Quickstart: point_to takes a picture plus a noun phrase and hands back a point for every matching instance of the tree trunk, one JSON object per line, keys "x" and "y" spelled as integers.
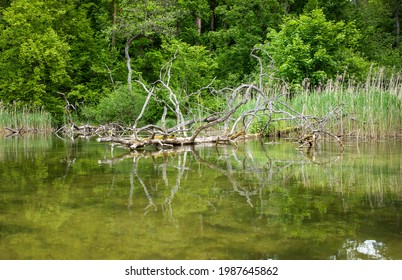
{"x": 128, "y": 62}
{"x": 398, "y": 23}
{"x": 286, "y": 7}
{"x": 198, "y": 23}
{"x": 114, "y": 24}
{"x": 212, "y": 21}
{"x": 212, "y": 6}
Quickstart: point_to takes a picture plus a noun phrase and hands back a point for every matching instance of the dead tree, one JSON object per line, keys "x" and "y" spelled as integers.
{"x": 246, "y": 104}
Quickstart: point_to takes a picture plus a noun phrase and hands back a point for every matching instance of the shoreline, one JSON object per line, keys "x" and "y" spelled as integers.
{"x": 6, "y": 133}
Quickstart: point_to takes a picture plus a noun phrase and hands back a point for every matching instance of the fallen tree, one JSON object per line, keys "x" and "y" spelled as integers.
{"x": 246, "y": 104}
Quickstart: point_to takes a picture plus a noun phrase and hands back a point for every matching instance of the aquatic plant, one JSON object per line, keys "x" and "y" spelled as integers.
{"x": 371, "y": 110}
{"x": 18, "y": 119}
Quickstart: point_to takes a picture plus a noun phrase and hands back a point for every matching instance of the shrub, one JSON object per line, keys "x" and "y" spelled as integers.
{"x": 119, "y": 106}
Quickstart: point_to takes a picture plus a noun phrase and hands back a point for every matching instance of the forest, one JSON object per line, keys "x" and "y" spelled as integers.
{"x": 165, "y": 62}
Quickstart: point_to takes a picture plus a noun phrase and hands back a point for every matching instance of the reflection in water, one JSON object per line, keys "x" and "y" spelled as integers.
{"x": 369, "y": 249}
{"x": 85, "y": 200}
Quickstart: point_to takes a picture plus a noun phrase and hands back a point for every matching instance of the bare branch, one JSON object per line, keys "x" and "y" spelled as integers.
{"x": 144, "y": 106}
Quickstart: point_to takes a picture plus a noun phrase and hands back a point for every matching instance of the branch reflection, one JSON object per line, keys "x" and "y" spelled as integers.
{"x": 308, "y": 195}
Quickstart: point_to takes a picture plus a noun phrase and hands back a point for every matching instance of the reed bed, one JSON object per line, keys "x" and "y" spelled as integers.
{"x": 367, "y": 110}
{"x": 371, "y": 110}
{"x": 24, "y": 119}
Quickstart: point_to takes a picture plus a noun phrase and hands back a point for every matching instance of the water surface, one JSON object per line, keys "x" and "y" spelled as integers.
{"x": 262, "y": 200}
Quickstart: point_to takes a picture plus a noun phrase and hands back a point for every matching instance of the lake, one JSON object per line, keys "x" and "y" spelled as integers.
{"x": 261, "y": 200}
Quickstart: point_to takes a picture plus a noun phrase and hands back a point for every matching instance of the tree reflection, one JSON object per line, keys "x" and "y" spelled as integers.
{"x": 249, "y": 177}
{"x": 308, "y": 195}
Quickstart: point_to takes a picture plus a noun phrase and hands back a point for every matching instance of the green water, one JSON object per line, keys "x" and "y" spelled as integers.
{"x": 87, "y": 200}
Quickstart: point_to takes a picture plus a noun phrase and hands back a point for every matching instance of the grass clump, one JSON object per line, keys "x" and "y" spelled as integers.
{"x": 24, "y": 118}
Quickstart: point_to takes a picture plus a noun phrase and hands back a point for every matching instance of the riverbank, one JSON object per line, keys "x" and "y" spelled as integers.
{"x": 366, "y": 112}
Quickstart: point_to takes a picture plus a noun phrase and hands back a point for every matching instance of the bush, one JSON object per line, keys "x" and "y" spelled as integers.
{"x": 118, "y": 106}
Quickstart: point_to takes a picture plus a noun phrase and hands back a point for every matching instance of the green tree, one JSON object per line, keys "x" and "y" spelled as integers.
{"x": 333, "y": 9}
{"x": 50, "y": 47}
{"x": 312, "y": 47}
{"x": 194, "y": 20}
{"x": 239, "y": 25}
{"x": 144, "y": 18}
{"x": 92, "y": 61}
{"x": 192, "y": 68}
{"x": 34, "y": 58}
{"x": 379, "y": 22}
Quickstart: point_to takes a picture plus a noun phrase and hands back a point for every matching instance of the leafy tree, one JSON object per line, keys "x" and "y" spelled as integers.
{"x": 119, "y": 106}
{"x": 312, "y": 47}
{"x": 144, "y": 18}
{"x": 88, "y": 53}
{"x": 333, "y": 9}
{"x": 34, "y": 58}
{"x": 379, "y": 22}
{"x": 293, "y": 6}
{"x": 50, "y": 47}
{"x": 192, "y": 68}
{"x": 193, "y": 20}
{"x": 240, "y": 24}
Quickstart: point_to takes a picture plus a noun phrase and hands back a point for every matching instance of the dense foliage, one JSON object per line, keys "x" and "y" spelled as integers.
{"x": 93, "y": 52}
{"x": 312, "y": 47}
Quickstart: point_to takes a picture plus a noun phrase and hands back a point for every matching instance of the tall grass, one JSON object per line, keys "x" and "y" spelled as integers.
{"x": 24, "y": 119}
{"x": 371, "y": 110}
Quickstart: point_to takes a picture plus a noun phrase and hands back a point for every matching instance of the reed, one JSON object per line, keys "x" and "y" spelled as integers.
{"x": 371, "y": 110}
{"x": 24, "y": 119}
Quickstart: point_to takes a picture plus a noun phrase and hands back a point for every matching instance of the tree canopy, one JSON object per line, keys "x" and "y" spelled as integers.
{"x": 312, "y": 47}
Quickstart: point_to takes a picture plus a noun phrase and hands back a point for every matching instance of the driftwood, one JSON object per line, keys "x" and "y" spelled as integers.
{"x": 21, "y": 131}
{"x": 73, "y": 131}
{"x": 169, "y": 142}
{"x": 13, "y": 131}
